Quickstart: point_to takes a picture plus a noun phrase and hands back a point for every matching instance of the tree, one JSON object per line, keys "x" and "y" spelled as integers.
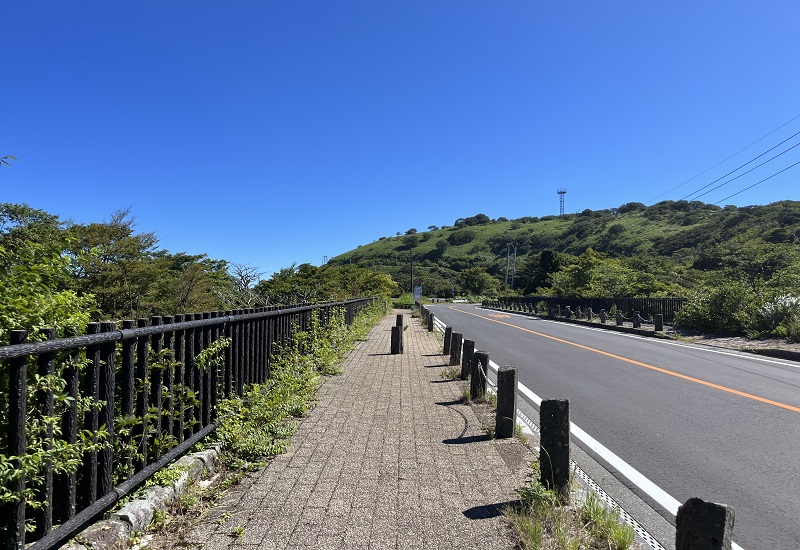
{"x": 476, "y": 281}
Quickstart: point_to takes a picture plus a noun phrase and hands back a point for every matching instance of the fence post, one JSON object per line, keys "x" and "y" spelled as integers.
{"x": 659, "y": 322}
{"x": 466, "y": 358}
{"x": 554, "y": 445}
{"x": 637, "y": 320}
{"x": 399, "y": 321}
{"x": 14, "y": 513}
{"x": 430, "y": 322}
{"x": 477, "y": 382}
{"x": 558, "y": 310}
{"x": 448, "y": 335}
{"x": 455, "y": 348}
{"x": 603, "y": 316}
{"x": 506, "y": 417}
{"x": 619, "y": 318}
{"x": 700, "y": 525}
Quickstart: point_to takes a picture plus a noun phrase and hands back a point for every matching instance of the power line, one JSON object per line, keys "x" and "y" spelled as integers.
{"x": 724, "y": 160}
{"x": 758, "y": 182}
{"x": 742, "y": 166}
{"x": 743, "y": 173}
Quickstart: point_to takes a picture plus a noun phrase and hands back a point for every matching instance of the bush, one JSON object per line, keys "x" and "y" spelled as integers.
{"x": 727, "y": 308}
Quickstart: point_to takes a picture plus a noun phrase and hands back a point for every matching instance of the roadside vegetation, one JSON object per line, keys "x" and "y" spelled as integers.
{"x": 542, "y": 520}
{"x": 738, "y": 266}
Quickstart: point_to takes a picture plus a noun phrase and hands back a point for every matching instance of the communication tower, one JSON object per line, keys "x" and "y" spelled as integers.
{"x": 561, "y": 192}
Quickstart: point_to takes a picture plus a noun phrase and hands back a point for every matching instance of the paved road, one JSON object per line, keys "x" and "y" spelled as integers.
{"x": 698, "y": 422}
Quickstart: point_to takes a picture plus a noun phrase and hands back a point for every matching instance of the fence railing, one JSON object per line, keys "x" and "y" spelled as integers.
{"x": 136, "y": 398}
{"x": 648, "y": 307}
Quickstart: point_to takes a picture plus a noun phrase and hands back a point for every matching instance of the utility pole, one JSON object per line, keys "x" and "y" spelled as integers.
{"x": 411, "y": 252}
{"x": 508, "y": 253}
{"x": 514, "y": 272}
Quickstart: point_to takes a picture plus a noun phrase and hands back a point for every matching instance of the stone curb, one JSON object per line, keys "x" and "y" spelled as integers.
{"x": 136, "y": 515}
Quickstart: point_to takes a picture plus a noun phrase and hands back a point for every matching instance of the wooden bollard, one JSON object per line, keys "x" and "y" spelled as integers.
{"x": 455, "y": 348}
{"x": 703, "y": 525}
{"x": 399, "y": 321}
{"x": 554, "y": 445}
{"x": 466, "y": 358}
{"x": 448, "y": 335}
{"x": 506, "y": 418}
{"x": 477, "y": 381}
{"x": 658, "y": 321}
{"x": 397, "y": 340}
{"x": 431, "y": 321}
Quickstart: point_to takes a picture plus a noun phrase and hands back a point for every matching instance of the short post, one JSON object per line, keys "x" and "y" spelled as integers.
{"x": 431, "y": 320}
{"x": 619, "y": 318}
{"x": 578, "y": 313}
{"x": 589, "y": 314}
{"x": 659, "y": 322}
{"x": 477, "y": 381}
{"x": 558, "y": 310}
{"x": 455, "y": 348}
{"x": 399, "y": 322}
{"x": 637, "y": 320}
{"x": 700, "y": 525}
{"x": 506, "y": 417}
{"x": 448, "y": 335}
{"x": 466, "y": 358}
{"x": 603, "y": 316}
{"x": 397, "y": 340}
{"x": 554, "y": 445}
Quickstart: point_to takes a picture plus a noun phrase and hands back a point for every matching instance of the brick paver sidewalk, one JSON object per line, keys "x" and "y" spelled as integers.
{"x": 389, "y": 458}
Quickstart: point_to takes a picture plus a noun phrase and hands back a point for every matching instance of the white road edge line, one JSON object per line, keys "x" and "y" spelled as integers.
{"x": 651, "y": 489}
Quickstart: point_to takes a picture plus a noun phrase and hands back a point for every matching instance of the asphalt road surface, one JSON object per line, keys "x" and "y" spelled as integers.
{"x": 697, "y": 422}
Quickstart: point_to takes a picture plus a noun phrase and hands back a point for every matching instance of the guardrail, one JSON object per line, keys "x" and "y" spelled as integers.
{"x": 699, "y": 524}
{"x": 649, "y": 307}
{"x": 135, "y": 398}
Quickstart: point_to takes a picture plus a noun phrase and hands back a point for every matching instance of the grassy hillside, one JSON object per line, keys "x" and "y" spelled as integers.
{"x": 674, "y": 245}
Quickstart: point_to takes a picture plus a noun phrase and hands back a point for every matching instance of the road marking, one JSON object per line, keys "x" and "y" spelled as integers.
{"x": 667, "y": 501}
{"x": 640, "y": 364}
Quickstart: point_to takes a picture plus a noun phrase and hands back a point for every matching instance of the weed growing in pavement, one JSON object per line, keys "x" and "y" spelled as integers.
{"x": 451, "y": 373}
{"x": 543, "y": 520}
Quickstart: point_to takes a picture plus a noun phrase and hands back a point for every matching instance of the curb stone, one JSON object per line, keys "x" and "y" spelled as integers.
{"x": 136, "y": 515}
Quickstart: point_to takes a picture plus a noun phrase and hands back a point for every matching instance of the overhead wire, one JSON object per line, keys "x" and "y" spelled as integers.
{"x": 743, "y": 173}
{"x": 758, "y": 182}
{"x": 740, "y": 167}
{"x": 724, "y": 160}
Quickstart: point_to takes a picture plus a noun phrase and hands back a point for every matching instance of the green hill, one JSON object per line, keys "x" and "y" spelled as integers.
{"x": 665, "y": 249}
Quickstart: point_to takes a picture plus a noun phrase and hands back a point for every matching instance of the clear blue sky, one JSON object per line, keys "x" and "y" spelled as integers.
{"x": 279, "y": 131}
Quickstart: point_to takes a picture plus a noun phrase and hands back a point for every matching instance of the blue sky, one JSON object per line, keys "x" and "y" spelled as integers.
{"x": 280, "y": 131}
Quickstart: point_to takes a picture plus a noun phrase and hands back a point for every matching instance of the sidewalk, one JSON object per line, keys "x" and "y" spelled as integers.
{"x": 388, "y": 459}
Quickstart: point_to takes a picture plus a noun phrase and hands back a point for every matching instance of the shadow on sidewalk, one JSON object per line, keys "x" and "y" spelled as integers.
{"x": 468, "y": 439}
{"x": 488, "y": 511}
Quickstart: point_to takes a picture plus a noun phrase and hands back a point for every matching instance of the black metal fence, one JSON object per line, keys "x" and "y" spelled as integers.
{"x": 155, "y": 389}
{"x": 648, "y": 307}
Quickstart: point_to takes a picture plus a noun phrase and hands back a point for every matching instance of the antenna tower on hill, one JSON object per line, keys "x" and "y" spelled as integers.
{"x": 561, "y": 192}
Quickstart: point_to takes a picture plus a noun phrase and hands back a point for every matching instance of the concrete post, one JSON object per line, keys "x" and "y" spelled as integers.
{"x": 603, "y": 316}
{"x": 477, "y": 382}
{"x": 466, "y": 358}
{"x": 619, "y": 318}
{"x": 659, "y": 322}
{"x": 448, "y": 335}
{"x": 637, "y": 320}
{"x": 455, "y": 348}
{"x": 399, "y": 321}
{"x": 397, "y": 340}
{"x": 589, "y": 314}
{"x": 506, "y": 417}
{"x": 558, "y": 310}
{"x": 703, "y": 525}
{"x": 578, "y": 313}
{"x": 554, "y": 445}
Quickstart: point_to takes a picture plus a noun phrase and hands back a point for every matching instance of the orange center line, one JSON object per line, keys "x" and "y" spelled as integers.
{"x": 640, "y": 364}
